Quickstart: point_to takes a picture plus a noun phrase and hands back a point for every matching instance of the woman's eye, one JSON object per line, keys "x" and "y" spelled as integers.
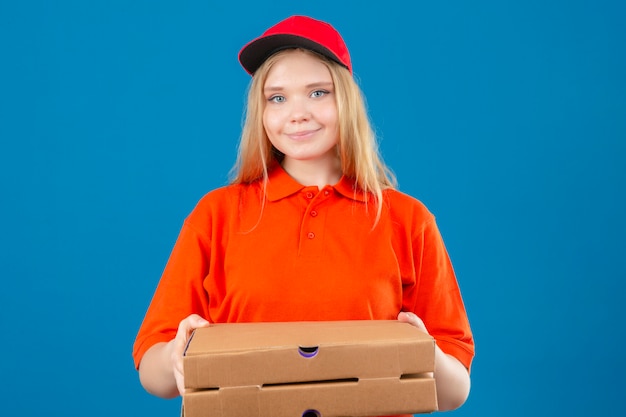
{"x": 319, "y": 93}
{"x": 276, "y": 99}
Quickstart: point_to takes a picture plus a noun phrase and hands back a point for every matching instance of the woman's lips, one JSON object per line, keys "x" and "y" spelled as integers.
{"x": 302, "y": 134}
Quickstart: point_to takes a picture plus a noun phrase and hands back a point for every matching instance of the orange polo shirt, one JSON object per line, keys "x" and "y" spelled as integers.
{"x": 307, "y": 254}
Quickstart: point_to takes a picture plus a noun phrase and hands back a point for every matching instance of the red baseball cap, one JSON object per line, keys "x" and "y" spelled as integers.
{"x": 296, "y": 32}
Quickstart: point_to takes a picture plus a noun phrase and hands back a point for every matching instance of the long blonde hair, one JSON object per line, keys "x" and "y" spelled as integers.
{"x": 357, "y": 144}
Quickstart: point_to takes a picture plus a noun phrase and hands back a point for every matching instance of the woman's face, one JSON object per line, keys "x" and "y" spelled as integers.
{"x": 300, "y": 115}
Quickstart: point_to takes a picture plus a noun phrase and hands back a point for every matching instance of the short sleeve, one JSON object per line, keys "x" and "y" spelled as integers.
{"x": 179, "y": 293}
{"x": 434, "y": 294}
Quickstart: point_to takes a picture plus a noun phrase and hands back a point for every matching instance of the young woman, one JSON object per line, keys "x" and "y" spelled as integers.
{"x": 311, "y": 228}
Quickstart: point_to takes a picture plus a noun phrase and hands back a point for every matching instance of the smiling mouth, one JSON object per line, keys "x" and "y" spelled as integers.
{"x": 303, "y": 134}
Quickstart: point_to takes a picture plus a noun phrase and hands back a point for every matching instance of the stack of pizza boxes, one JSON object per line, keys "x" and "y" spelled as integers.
{"x": 309, "y": 369}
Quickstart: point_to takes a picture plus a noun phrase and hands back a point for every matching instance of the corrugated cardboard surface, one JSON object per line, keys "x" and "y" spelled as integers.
{"x": 331, "y": 399}
{"x": 227, "y": 355}
{"x": 345, "y": 368}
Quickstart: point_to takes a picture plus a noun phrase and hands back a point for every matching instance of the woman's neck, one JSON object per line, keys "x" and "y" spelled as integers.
{"x": 314, "y": 172}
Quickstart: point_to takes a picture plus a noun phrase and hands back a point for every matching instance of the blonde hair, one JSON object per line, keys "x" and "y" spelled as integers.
{"x": 357, "y": 145}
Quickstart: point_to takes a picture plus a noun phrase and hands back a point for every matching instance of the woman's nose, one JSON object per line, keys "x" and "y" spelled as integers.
{"x": 299, "y": 111}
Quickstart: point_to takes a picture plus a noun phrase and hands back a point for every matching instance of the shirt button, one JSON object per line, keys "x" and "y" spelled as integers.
{"x": 313, "y": 213}
{"x": 326, "y": 192}
{"x": 311, "y": 235}
{"x": 309, "y": 195}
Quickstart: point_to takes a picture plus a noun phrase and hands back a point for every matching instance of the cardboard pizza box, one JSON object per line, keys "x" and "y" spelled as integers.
{"x": 309, "y": 369}
{"x": 226, "y": 355}
{"x": 355, "y": 398}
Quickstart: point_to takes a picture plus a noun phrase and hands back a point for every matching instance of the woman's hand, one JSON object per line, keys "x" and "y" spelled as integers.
{"x": 177, "y": 346}
{"x": 453, "y": 381}
{"x": 411, "y": 318}
{"x": 161, "y": 368}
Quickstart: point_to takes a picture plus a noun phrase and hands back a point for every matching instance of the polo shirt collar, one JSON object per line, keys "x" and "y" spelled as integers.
{"x": 348, "y": 188}
{"x": 280, "y": 185}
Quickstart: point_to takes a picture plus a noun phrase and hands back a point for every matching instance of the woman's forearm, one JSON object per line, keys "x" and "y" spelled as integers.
{"x": 156, "y": 372}
{"x": 452, "y": 380}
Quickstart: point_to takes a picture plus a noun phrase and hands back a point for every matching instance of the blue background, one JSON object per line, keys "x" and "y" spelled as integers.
{"x": 508, "y": 119}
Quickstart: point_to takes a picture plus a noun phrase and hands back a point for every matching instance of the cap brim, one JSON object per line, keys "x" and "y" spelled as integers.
{"x": 256, "y": 52}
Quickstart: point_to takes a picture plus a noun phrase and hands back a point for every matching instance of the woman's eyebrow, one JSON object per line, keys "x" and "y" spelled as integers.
{"x": 326, "y": 84}
{"x": 320, "y": 84}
